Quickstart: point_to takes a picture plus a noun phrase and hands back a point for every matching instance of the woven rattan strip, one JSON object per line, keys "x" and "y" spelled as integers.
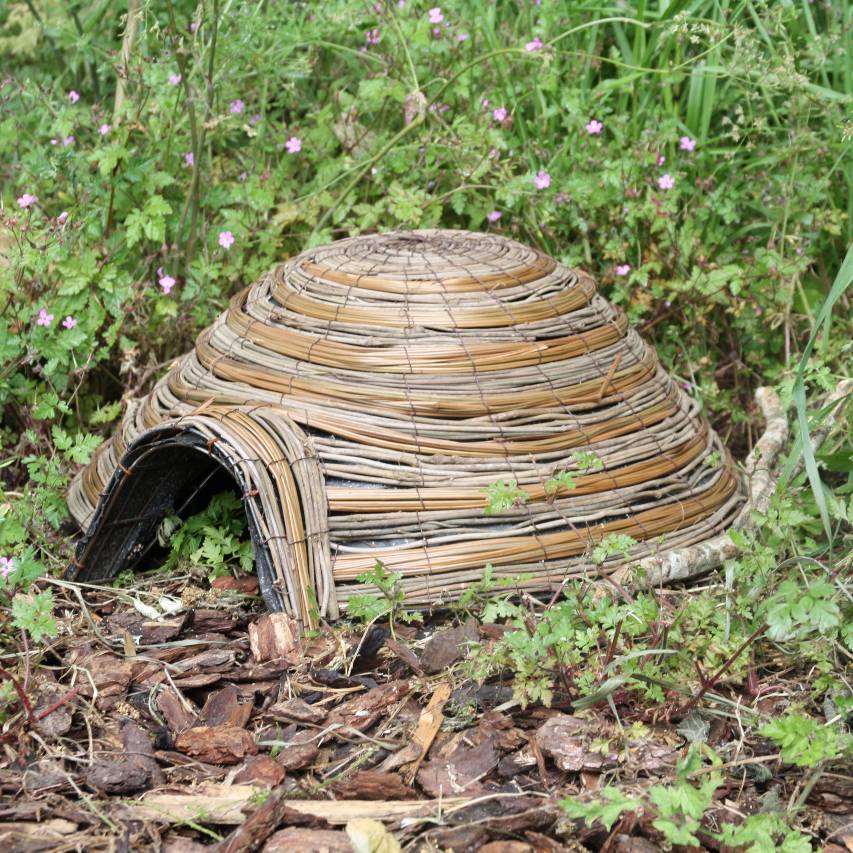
{"x": 363, "y": 396}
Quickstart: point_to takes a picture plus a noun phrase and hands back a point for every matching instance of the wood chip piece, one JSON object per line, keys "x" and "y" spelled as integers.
{"x": 274, "y": 637}
{"x": 227, "y": 707}
{"x": 308, "y": 841}
{"x": 260, "y": 770}
{"x": 364, "y": 709}
{"x": 176, "y": 709}
{"x": 460, "y": 772}
{"x": 449, "y": 645}
{"x": 117, "y": 777}
{"x": 297, "y": 710}
{"x": 216, "y": 744}
{"x": 428, "y": 725}
{"x": 372, "y": 785}
{"x": 247, "y": 585}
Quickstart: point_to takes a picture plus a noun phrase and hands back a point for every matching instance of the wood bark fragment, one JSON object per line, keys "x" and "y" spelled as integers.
{"x": 273, "y": 637}
{"x": 216, "y": 744}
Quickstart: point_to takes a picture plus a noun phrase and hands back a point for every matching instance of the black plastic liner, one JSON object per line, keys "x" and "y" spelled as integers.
{"x": 166, "y": 471}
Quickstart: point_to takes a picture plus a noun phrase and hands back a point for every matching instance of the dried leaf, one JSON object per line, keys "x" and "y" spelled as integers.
{"x": 370, "y": 836}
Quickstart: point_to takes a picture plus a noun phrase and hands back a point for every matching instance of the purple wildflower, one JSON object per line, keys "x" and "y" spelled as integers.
{"x": 542, "y": 180}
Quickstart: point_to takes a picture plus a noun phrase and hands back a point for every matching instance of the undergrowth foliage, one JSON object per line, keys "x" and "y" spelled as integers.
{"x": 695, "y": 157}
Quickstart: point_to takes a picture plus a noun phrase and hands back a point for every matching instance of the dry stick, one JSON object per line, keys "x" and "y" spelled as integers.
{"x": 128, "y": 41}
{"x": 131, "y": 26}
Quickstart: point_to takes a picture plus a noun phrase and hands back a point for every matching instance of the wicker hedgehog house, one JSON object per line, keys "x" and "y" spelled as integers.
{"x": 363, "y": 396}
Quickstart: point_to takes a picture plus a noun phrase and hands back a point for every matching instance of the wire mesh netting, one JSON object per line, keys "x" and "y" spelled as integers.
{"x": 363, "y": 397}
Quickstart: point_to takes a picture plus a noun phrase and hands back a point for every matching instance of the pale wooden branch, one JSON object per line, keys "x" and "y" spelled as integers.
{"x": 681, "y": 564}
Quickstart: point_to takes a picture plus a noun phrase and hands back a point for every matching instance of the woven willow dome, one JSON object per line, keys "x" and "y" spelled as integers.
{"x": 362, "y": 398}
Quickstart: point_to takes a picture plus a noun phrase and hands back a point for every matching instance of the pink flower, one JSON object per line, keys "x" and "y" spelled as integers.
{"x": 542, "y": 180}
{"x": 193, "y": 26}
{"x": 7, "y": 566}
{"x": 499, "y": 114}
{"x": 536, "y": 44}
{"x": 661, "y": 160}
{"x": 255, "y": 119}
{"x": 372, "y": 37}
{"x": 594, "y": 127}
{"x": 666, "y": 182}
{"x": 73, "y": 96}
{"x": 175, "y": 79}
{"x": 293, "y": 145}
{"x": 236, "y": 107}
{"x": 226, "y": 239}
{"x": 54, "y": 142}
{"x": 686, "y": 143}
{"x": 189, "y": 159}
{"x": 104, "y": 129}
{"x": 462, "y": 37}
{"x": 484, "y": 103}
{"x": 494, "y": 216}
{"x": 623, "y": 269}
{"x": 435, "y": 16}
{"x": 69, "y": 322}
{"x": 69, "y": 140}
{"x": 27, "y": 200}
{"x": 44, "y": 319}
{"x": 62, "y": 217}
{"x": 167, "y": 282}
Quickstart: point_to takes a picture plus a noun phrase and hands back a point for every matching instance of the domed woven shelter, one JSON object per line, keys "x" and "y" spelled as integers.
{"x": 362, "y": 398}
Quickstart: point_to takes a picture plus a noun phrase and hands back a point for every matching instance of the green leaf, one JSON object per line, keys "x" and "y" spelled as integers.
{"x": 33, "y": 613}
{"x": 803, "y": 741}
{"x": 504, "y": 495}
{"x": 607, "y": 810}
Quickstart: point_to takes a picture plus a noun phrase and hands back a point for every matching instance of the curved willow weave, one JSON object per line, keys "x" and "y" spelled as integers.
{"x": 364, "y": 395}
